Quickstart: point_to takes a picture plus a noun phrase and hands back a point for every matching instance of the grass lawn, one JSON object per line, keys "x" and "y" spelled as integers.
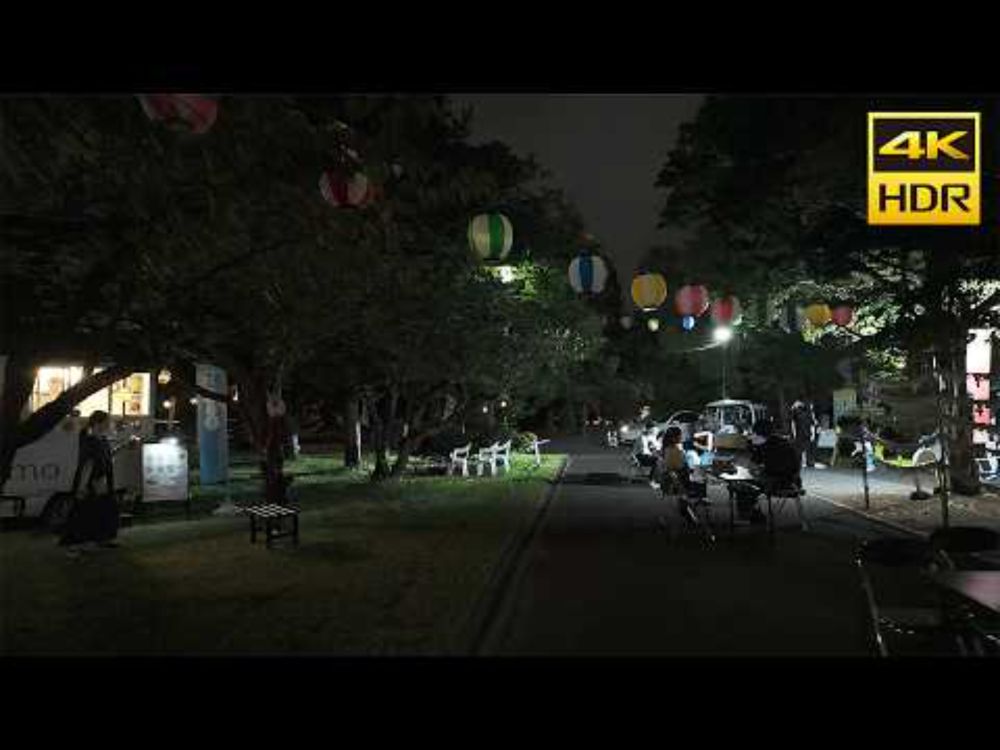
{"x": 388, "y": 569}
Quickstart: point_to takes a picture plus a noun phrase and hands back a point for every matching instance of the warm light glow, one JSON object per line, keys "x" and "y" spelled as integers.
{"x": 168, "y": 404}
{"x": 163, "y": 377}
{"x": 653, "y": 324}
{"x": 506, "y": 274}
{"x": 723, "y": 335}
{"x": 503, "y": 404}
{"x": 193, "y": 401}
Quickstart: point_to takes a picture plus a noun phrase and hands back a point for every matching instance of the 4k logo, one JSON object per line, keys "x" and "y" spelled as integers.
{"x": 923, "y": 168}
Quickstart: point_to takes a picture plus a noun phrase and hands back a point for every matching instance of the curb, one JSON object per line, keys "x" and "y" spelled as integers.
{"x": 485, "y": 612}
{"x": 869, "y": 517}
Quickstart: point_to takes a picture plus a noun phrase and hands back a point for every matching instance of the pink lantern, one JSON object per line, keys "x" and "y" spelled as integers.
{"x": 691, "y": 300}
{"x": 193, "y": 113}
{"x": 356, "y": 192}
{"x": 842, "y": 315}
{"x": 727, "y": 311}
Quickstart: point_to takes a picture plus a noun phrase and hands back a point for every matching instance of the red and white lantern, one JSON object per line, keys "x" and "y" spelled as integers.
{"x": 356, "y": 191}
{"x": 192, "y": 113}
{"x": 842, "y": 315}
{"x": 726, "y": 311}
{"x": 691, "y": 300}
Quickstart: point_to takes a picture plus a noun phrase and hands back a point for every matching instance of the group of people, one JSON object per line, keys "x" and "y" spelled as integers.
{"x": 776, "y": 462}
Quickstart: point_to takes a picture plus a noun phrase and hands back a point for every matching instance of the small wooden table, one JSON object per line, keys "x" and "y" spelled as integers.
{"x": 271, "y": 515}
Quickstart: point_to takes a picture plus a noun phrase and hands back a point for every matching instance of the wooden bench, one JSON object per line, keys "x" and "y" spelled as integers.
{"x": 271, "y": 517}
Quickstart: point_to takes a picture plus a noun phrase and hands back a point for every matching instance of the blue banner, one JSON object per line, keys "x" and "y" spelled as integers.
{"x": 213, "y": 434}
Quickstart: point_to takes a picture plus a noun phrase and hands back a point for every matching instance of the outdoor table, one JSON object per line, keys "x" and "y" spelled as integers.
{"x": 729, "y": 480}
{"x": 981, "y": 589}
{"x": 979, "y": 586}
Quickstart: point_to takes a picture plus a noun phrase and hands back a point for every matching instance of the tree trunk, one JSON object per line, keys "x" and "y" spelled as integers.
{"x": 352, "y": 444}
{"x": 406, "y": 447}
{"x": 379, "y": 421}
{"x": 963, "y": 472}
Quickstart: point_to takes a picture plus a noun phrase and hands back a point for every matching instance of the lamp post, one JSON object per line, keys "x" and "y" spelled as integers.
{"x": 724, "y": 334}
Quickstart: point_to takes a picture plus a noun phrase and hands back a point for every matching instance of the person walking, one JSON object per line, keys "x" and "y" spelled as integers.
{"x": 93, "y": 518}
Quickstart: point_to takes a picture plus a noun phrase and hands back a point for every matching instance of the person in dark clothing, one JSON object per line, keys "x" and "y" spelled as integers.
{"x": 94, "y": 515}
{"x": 777, "y": 466}
{"x": 804, "y": 430}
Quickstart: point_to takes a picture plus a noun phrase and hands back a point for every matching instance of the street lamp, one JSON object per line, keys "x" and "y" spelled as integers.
{"x": 723, "y": 334}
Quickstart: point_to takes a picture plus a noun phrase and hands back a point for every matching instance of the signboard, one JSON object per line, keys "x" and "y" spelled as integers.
{"x": 978, "y": 387}
{"x": 164, "y": 472}
{"x": 213, "y": 434}
{"x": 845, "y": 401}
{"x": 977, "y": 353}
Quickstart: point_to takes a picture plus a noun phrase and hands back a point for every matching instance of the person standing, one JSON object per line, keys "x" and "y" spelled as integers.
{"x": 804, "y": 432}
{"x": 93, "y": 519}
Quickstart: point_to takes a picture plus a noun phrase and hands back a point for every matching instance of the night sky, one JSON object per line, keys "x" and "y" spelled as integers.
{"x": 604, "y": 150}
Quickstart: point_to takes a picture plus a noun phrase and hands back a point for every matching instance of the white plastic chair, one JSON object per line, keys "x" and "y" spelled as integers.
{"x": 487, "y": 457}
{"x": 503, "y": 456}
{"x": 459, "y": 459}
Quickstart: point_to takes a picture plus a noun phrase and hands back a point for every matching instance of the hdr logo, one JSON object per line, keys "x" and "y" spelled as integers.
{"x": 923, "y": 168}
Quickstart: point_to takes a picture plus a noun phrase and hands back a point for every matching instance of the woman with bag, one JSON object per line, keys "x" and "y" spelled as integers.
{"x": 93, "y": 518}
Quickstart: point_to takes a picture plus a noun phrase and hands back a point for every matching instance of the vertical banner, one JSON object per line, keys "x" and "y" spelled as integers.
{"x": 213, "y": 435}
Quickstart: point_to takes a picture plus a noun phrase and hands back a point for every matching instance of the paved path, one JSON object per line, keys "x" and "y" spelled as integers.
{"x": 602, "y": 577}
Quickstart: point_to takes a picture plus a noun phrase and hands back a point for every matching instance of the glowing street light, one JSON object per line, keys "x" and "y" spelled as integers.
{"x": 723, "y": 334}
{"x": 163, "y": 377}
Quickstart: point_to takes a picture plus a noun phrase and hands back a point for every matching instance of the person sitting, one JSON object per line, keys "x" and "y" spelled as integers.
{"x": 696, "y": 481}
{"x": 645, "y": 451}
{"x": 777, "y": 468}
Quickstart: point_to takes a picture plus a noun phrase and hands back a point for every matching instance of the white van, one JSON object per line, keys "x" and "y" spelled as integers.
{"x": 45, "y": 468}
{"x": 732, "y": 421}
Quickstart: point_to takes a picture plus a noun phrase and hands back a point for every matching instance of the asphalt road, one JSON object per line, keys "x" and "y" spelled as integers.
{"x": 611, "y": 572}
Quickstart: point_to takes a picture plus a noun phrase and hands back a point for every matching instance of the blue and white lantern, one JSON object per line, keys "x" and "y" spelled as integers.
{"x": 687, "y": 322}
{"x": 588, "y": 273}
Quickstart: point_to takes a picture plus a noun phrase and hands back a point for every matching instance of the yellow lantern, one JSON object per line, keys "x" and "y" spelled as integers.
{"x": 649, "y": 290}
{"x": 818, "y": 314}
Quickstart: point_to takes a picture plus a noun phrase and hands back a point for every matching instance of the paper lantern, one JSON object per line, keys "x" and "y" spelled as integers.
{"x": 818, "y": 314}
{"x": 649, "y": 290}
{"x": 491, "y": 236}
{"x": 588, "y": 273}
{"x": 691, "y": 299}
{"x": 727, "y": 311}
{"x": 842, "y": 315}
{"x": 687, "y": 322}
{"x": 192, "y": 113}
{"x": 626, "y": 321}
{"x": 354, "y": 192}
{"x": 653, "y": 324}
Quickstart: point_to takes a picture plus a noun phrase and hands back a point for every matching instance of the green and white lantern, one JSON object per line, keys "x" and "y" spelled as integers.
{"x": 490, "y": 237}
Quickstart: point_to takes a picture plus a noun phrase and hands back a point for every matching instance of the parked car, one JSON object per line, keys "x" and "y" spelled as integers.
{"x": 685, "y": 419}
